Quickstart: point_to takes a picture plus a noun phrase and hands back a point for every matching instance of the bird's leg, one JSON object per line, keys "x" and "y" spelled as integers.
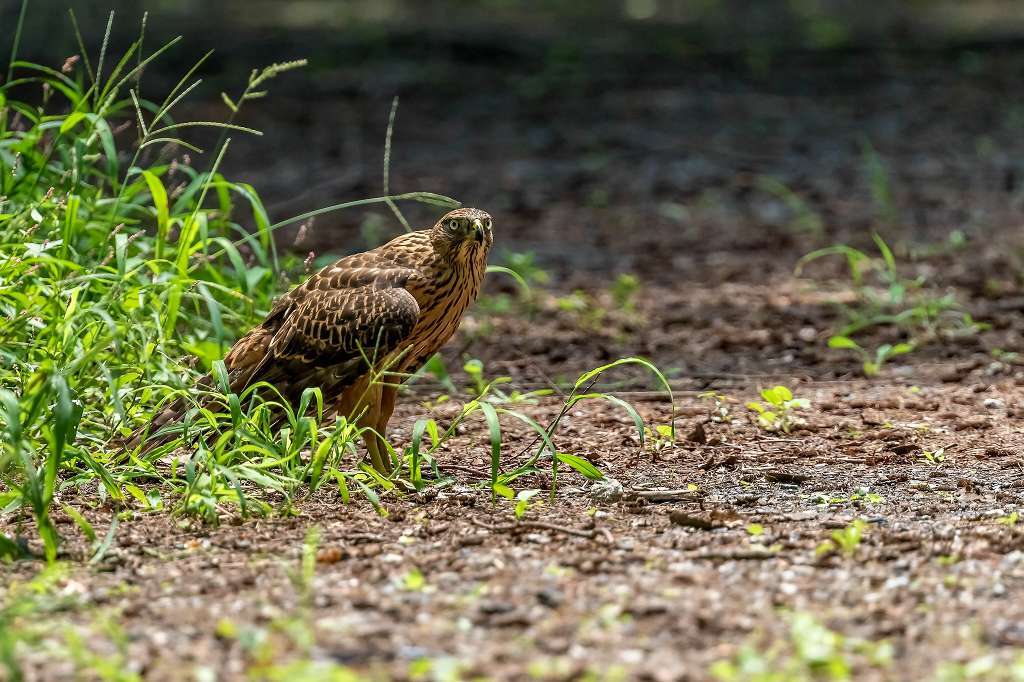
{"x": 388, "y": 394}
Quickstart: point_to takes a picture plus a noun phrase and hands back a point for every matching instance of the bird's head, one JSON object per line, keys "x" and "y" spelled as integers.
{"x": 464, "y": 233}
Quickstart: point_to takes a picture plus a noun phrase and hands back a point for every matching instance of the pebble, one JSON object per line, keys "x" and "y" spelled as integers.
{"x": 606, "y": 490}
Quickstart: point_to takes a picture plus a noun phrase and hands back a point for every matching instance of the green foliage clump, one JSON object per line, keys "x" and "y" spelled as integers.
{"x": 812, "y": 651}
{"x": 120, "y": 256}
{"x": 779, "y": 412}
{"x": 886, "y": 298}
{"x": 127, "y": 268}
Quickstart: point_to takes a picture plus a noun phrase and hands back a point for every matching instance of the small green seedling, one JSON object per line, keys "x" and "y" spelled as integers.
{"x": 845, "y": 540}
{"x": 413, "y": 581}
{"x": 624, "y": 292}
{"x": 872, "y": 363}
{"x": 935, "y": 457}
{"x": 1010, "y": 520}
{"x": 720, "y": 409}
{"x": 661, "y": 437}
{"x": 804, "y": 220}
{"x": 523, "y": 503}
{"x": 778, "y": 414}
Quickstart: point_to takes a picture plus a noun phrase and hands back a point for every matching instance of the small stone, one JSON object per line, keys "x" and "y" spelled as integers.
{"x": 606, "y": 490}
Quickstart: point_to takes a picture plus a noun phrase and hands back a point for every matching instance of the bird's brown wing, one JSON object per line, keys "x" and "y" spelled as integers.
{"x": 356, "y": 307}
{"x": 325, "y": 333}
{"x": 338, "y": 329}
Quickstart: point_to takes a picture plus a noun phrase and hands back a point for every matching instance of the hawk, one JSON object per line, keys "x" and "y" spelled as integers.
{"x": 357, "y": 327}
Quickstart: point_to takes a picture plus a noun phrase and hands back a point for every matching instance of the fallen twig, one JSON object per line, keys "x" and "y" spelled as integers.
{"x": 683, "y": 494}
{"x": 520, "y": 526}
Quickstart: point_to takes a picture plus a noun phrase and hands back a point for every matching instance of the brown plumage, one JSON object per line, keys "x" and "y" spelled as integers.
{"x": 357, "y": 327}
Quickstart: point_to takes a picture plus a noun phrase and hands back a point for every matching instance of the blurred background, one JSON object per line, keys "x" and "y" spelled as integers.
{"x": 697, "y": 141}
{"x": 600, "y": 128}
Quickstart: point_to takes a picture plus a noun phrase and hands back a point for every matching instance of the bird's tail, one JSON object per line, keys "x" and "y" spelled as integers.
{"x": 244, "y": 361}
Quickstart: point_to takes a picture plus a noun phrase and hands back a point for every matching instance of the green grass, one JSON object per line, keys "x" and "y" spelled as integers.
{"x": 128, "y": 265}
{"x": 885, "y": 298}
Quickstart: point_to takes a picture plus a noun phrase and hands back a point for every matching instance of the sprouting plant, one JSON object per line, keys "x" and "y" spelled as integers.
{"x": 481, "y": 385}
{"x": 845, "y": 540}
{"x": 879, "y": 184}
{"x": 778, "y": 414}
{"x": 526, "y": 274}
{"x": 719, "y": 411}
{"x": 587, "y": 313}
{"x": 804, "y": 218}
{"x": 523, "y": 503}
{"x": 420, "y": 454}
{"x": 662, "y": 436}
{"x": 885, "y": 297}
{"x": 474, "y": 369}
{"x": 1009, "y": 520}
{"x": 871, "y": 363}
{"x": 810, "y": 652}
{"x": 525, "y": 264}
{"x": 624, "y": 291}
{"x": 934, "y": 457}
{"x": 412, "y": 581}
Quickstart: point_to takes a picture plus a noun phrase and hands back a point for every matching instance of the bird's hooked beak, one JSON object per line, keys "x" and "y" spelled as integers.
{"x": 478, "y": 231}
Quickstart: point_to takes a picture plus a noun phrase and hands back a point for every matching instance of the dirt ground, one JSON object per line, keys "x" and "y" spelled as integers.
{"x": 657, "y": 179}
{"x": 622, "y": 587}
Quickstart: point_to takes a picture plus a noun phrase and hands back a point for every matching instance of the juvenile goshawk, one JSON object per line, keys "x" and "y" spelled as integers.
{"x": 359, "y": 326}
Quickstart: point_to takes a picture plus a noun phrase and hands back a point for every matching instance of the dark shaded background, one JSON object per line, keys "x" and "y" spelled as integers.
{"x": 607, "y": 135}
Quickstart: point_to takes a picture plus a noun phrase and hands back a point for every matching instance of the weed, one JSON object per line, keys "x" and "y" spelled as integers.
{"x": 986, "y": 666}
{"x": 661, "y": 437}
{"x": 420, "y": 454}
{"x": 879, "y": 184}
{"x": 527, "y": 276}
{"x": 614, "y": 311}
{"x": 811, "y": 651}
{"x": 1009, "y": 520}
{"x": 885, "y": 298}
{"x": 871, "y": 363}
{"x": 583, "y": 308}
{"x": 720, "y": 410}
{"x": 845, "y": 540}
{"x": 110, "y": 270}
{"x": 934, "y": 457}
{"x": 624, "y": 291}
{"x": 523, "y": 503}
{"x": 778, "y": 414}
{"x": 805, "y": 220}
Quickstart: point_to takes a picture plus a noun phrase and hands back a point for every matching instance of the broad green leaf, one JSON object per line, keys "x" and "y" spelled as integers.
{"x": 581, "y": 465}
{"x": 843, "y": 342}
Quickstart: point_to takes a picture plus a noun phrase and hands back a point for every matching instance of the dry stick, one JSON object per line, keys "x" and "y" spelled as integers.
{"x": 668, "y": 495}
{"x": 543, "y": 525}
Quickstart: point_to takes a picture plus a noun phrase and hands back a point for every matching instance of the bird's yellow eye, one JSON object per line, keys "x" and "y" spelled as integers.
{"x": 487, "y": 223}
{"x": 453, "y": 224}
